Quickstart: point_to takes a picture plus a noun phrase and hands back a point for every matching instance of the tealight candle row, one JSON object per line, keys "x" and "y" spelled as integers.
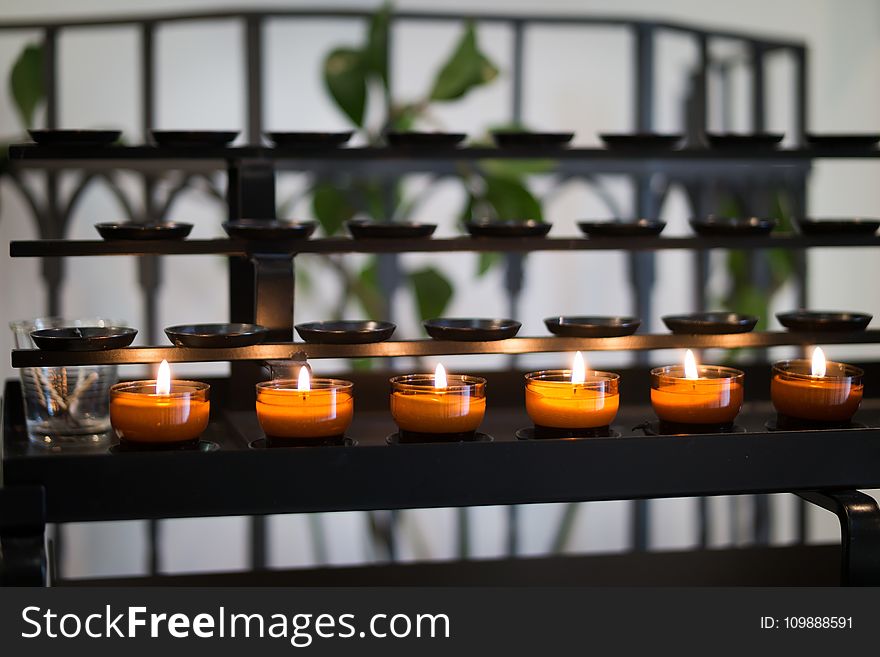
{"x": 451, "y": 407}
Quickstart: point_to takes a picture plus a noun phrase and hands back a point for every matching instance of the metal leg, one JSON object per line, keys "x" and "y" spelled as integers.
{"x": 23, "y": 559}
{"x": 859, "y": 517}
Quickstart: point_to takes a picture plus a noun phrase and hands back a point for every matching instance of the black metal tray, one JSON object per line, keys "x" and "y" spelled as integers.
{"x": 75, "y": 137}
{"x": 620, "y": 228}
{"x": 193, "y": 138}
{"x": 843, "y": 140}
{"x": 824, "y": 320}
{"x": 309, "y": 139}
{"x": 129, "y": 230}
{"x": 734, "y": 141}
{"x": 216, "y": 336}
{"x": 644, "y": 140}
{"x": 83, "y": 338}
{"x": 269, "y": 230}
{"x": 592, "y": 327}
{"x": 842, "y": 226}
{"x": 471, "y": 329}
{"x": 345, "y": 331}
{"x": 724, "y": 226}
{"x": 710, "y": 323}
{"x": 528, "y": 228}
{"x": 417, "y": 139}
{"x": 361, "y": 229}
{"x": 513, "y": 139}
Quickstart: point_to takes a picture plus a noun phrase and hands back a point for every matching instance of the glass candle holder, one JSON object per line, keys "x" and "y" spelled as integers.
{"x": 832, "y": 398}
{"x": 139, "y": 415}
{"x": 418, "y": 407}
{"x": 714, "y": 398}
{"x": 553, "y": 401}
{"x": 323, "y": 411}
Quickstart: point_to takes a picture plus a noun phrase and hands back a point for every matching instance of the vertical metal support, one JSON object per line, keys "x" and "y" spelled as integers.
{"x": 697, "y": 109}
{"x": 250, "y": 194}
{"x": 273, "y": 294}
{"x": 801, "y": 98}
{"x": 149, "y": 267}
{"x": 23, "y": 536}
{"x": 513, "y": 262}
{"x": 759, "y": 104}
{"x": 254, "y": 78}
{"x": 641, "y": 265}
{"x": 52, "y": 228}
{"x": 261, "y": 288}
{"x": 859, "y": 517}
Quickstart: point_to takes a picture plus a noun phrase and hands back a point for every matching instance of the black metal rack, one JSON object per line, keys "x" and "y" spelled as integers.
{"x": 43, "y": 486}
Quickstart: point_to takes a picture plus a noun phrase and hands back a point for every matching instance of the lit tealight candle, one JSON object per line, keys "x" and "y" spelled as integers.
{"x": 439, "y": 405}
{"x": 572, "y": 399}
{"x": 304, "y": 407}
{"x": 696, "y": 394}
{"x": 160, "y": 411}
{"x": 816, "y": 390}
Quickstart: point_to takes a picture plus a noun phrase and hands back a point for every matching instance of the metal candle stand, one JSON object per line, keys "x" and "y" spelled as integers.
{"x": 44, "y": 486}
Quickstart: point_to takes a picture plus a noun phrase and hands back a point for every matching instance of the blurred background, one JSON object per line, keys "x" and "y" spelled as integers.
{"x": 575, "y": 78}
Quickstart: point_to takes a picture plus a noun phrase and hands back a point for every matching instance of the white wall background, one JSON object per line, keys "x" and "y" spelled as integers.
{"x": 577, "y": 79}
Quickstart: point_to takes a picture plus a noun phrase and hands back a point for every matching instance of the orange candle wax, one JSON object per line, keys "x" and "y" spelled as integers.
{"x": 138, "y": 414}
{"x": 417, "y": 405}
{"x": 833, "y": 397}
{"x": 714, "y": 397}
{"x": 287, "y": 411}
{"x": 553, "y": 401}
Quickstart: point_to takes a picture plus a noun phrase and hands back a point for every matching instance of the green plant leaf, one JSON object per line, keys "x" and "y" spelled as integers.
{"x": 26, "y": 83}
{"x": 331, "y": 207}
{"x": 432, "y": 290}
{"x": 512, "y": 200}
{"x": 346, "y": 80}
{"x": 376, "y": 50}
{"x": 366, "y": 289}
{"x": 466, "y": 69}
{"x": 403, "y": 117}
{"x": 487, "y": 261}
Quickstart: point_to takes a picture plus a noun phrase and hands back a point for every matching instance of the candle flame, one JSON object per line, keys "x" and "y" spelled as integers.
{"x": 303, "y": 383}
{"x": 579, "y": 369}
{"x": 818, "y": 362}
{"x": 690, "y": 366}
{"x": 440, "y": 376}
{"x": 163, "y": 379}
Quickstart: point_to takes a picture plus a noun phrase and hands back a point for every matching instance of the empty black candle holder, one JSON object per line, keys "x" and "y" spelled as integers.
{"x": 788, "y": 423}
{"x": 270, "y": 442}
{"x": 663, "y": 428}
{"x": 195, "y": 445}
{"x": 412, "y": 437}
{"x": 550, "y": 433}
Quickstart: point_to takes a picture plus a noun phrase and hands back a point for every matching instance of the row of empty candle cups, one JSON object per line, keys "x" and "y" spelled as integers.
{"x": 688, "y": 398}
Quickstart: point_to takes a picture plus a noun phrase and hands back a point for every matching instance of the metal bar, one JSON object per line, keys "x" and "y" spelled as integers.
{"x": 759, "y": 105}
{"x": 68, "y": 248}
{"x": 859, "y": 517}
{"x": 23, "y": 535}
{"x": 457, "y": 17}
{"x": 254, "y": 78}
{"x": 801, "y": 91}
{"x": 374, "y": 475}
{"x": 416, "y": 348}
{"x": 273, "y": 295}
{"x": 170, "y": 157}
{"x": 516, "y": 87}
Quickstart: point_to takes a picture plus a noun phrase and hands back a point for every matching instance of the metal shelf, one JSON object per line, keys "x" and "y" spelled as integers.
{"x": 70, "y": 248}
{"x": 136, "y": 355}
{"x": 95, "y": 484}
{"x": 408, "y": 159}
